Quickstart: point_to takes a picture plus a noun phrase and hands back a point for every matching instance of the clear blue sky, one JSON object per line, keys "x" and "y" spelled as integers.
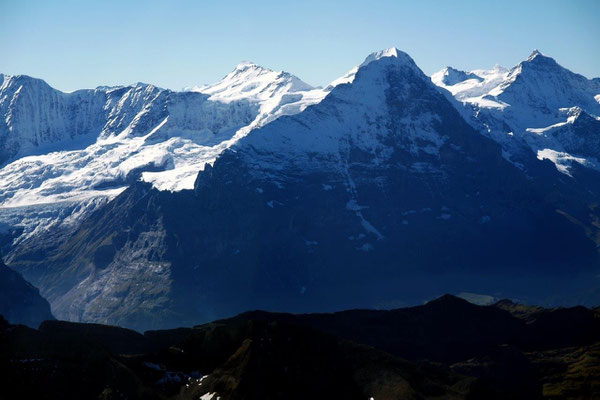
{"x": 178, "y": 43}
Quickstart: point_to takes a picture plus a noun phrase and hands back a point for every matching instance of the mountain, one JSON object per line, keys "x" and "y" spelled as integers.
{"x": 35, "y": 116}
{"x": 450, "y": 76}
{"x": 379, "y": 195}
{"x": 567, "y": 144}
{"x": 446, "y": 348}
{"x": 277, "y": 92}
{"x": 519, "y": 107}
{"x": 65, "y": 154}
{"x": 470, "y": 86}
{"x": 20, "y": 302}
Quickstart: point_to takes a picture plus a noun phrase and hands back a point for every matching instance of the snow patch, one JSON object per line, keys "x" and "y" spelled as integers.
{"x": 562, "y": 160}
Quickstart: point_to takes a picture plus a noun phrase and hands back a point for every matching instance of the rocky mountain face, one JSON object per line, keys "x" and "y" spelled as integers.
{"x": 446, "y": 348}
{"x": 379, "y": 195}
{"x": 20, "y": 302}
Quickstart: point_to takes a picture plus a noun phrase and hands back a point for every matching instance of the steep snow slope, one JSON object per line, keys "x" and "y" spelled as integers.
{"x": 531, "y": 98}
{"x": 360, "y": 108}
{"x": 35, "y": 117}
{"x": 277, "y": 93}
{"x": 169, "y": 132}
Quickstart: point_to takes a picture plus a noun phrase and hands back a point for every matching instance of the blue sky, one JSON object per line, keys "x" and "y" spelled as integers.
{"x": 178, "y": 43}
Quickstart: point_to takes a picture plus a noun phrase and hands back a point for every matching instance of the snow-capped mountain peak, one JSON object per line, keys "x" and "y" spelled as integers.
{"x": 387, "y": 88}
{"x": 245, "y": 64}
{"x": 393, "y": 54}
{"x": 272, "y": 93}
{"x": 534, "y": 54}
{"x": 538, "y": 80}
{"x": 545, "y": 85}
{"x": 527, "y": 105}
{"x": 452, "y": 76}
{"x": 249, "y": 81}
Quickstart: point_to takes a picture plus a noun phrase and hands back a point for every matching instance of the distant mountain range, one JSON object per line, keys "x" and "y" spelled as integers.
{"x": 150, "y": 208}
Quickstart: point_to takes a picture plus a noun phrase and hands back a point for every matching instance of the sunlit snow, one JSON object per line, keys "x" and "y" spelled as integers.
{"x": 534, "y": 104}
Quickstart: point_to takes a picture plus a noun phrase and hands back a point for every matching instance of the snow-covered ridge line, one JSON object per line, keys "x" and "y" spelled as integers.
{"x": 63, "y": 150}
{"x": 42, "y": 126}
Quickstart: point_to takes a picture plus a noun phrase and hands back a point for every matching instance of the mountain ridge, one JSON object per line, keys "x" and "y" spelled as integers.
{"x": 20, "y": 301}
{"x": 445, "y": 348}
{"x": 358, "y": 200}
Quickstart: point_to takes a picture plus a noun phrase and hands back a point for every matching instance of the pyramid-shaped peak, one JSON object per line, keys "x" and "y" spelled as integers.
{"x": 390, "y": 52}
{"x": 448, "y": 299}
{"x": 537, "y": 57}
{"x": 534, "y": 54}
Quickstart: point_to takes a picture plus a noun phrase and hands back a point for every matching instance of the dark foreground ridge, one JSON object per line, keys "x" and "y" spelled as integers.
{"x": 445, "y": 349}
{"x": 20, "y": 301}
